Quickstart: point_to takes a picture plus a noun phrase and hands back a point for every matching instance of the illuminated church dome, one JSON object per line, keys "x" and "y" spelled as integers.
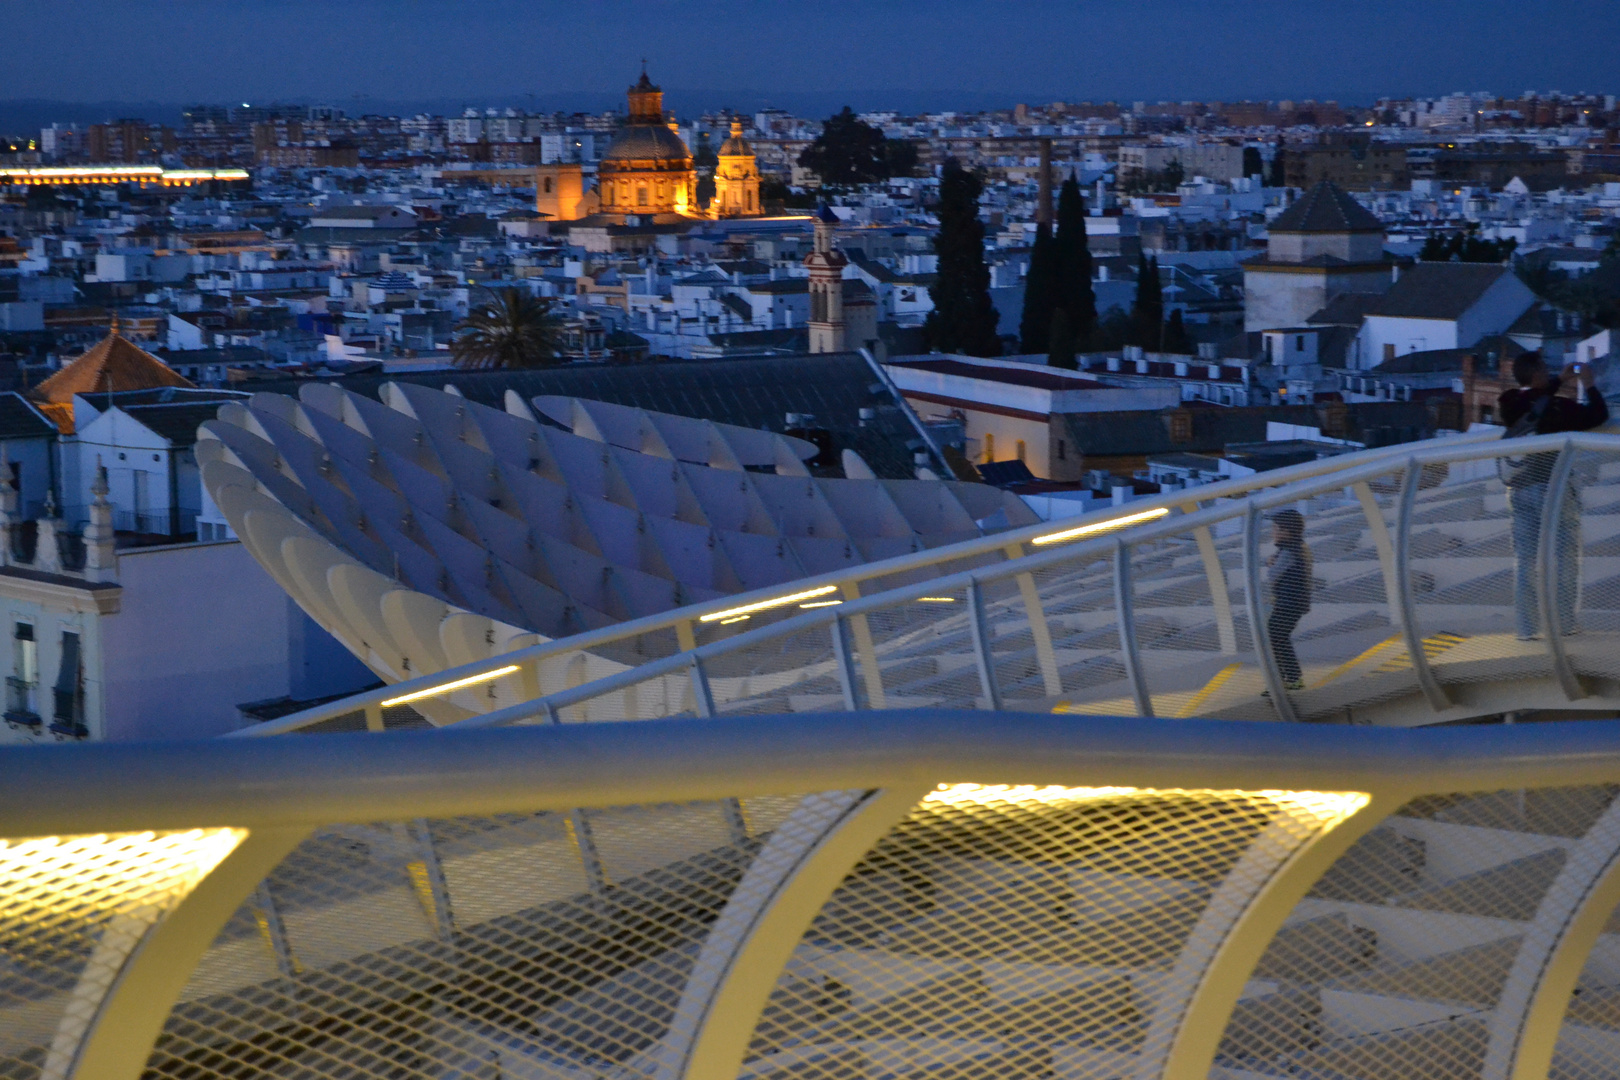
{"x": 735, "y": 145}
{"x": 647, "y": 168}
{"x": 736, "y": 177}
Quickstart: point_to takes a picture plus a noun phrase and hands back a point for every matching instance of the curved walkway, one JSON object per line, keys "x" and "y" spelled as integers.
{"x": 1413, "y": 619}
{"x": 1152, "y": 608}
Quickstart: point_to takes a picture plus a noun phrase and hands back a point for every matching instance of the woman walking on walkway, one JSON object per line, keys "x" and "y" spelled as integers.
{"x": 1290, "y": 582}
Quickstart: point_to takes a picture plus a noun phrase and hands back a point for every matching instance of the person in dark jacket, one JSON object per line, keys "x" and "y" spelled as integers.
{"x": 1289, "y": 579}
{"x": 1534, "y": 407}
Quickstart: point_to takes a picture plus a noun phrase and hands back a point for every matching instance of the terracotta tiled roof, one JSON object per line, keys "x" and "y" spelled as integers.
{"x": 111, "y": 365}
{"x": 59, "y": 414}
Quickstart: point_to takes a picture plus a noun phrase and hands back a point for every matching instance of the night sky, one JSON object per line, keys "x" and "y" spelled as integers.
{"x": 711, "y": 53}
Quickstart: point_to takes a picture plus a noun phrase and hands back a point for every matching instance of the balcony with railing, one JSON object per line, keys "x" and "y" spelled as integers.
{"x": 20, "y": 703}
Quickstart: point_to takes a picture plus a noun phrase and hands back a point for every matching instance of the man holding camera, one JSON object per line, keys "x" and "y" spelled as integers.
{"x": 1534, "y": 407}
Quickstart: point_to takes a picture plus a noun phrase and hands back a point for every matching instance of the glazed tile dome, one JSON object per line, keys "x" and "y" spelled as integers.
{"x": 641, "y": 143}
{"x": 735, "y": 145}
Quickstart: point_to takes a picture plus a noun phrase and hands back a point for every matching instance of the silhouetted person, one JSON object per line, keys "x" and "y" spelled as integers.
{"x": 1290, "y": 582}
{"x": 1534, "y": 408}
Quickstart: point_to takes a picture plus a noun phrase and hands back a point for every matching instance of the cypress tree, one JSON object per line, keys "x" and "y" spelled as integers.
{"x": 1072, "y": 292}
{"x": 1034, "y": 328}
{"x": 1147, "y": 312}
{"x": 963, "y": 319}
{"x": 1279, "y": 171}
{"x": 1252, "y": 165}
{"x": 1176, "y": 339}
{"x": 1062, "y": 342}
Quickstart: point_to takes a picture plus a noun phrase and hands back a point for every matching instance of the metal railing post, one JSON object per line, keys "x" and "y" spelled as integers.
{"x": 438, "y": 890}
{"x": 1220, "y": 597}
{"x": 1257, "y": 616}
{"x": 980, "y": 632}
{"x": 1039, "y": 629}
{"x": 529, "y": 680}
{"x": 844, "y": 663}
{"x": 590, "y": 859}
{"x": 1127, "y": 629}
{"x": 702, "y": 697}
{"x": 1547, "y": 571}
{"x": 851, "y": 590}
{"x": 1529, "y": 1014}
{"x": 736, "y": 820}
{"x": 268, "y": 916}
{"x": 1439, "y": 700}
{"x": 1383, "y": 545}
{"x": 1249, "y": 907}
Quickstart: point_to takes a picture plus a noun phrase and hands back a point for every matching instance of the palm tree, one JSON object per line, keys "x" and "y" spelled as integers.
{"x": 512, "y": 330}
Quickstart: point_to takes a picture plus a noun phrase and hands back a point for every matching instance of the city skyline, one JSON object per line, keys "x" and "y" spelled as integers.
{"x": 719, "y": 52}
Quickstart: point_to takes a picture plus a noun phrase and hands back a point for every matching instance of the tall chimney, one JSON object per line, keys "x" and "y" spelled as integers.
{"x": 1043, "y": 203}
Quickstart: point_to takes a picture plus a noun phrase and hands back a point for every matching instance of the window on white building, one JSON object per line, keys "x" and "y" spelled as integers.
{"x": 24, "y": 676}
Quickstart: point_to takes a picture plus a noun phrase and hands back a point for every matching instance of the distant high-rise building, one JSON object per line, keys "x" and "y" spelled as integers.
{"x": 60, "y": 141}
{"x": 127, "y": 142}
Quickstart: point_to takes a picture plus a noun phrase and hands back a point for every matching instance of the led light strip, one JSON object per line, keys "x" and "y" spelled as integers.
{"x": 763, "y": 605}
{"x": 1101, "y": 526}
{"x": 433, "y": 691}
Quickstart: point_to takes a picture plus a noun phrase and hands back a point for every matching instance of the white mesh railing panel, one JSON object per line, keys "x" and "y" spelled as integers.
{"x": 1589, "y": 1040}
{"x": 1590, "y": 537}
{"x": 1394, "y": 963}
{"x": 794, "y": 672}
{"x": 923, "y": 652}
{"x": 523, "y": 945}
{"x": 1019, "y": 932}
{"x": 1349, "y": 646}
{"x": 920, "y": 650}
{"x": 1015, "y": 651}
{"x": 1078, "y": 604}
{"x": 72, "y": 910}
{"x": 1197, "y": 658}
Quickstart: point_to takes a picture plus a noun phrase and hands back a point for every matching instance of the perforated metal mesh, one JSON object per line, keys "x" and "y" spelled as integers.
{"x": 1077, "y": 600}
{"x": 1595, "y": 614}
{"x": 72, "y": 909}
{"x": 1393, "y": 965}
{"x": 523, "y": 945}
{"x": 1588, "y": 1044}
{"x": 1589, "y": 1040}
{"x": 1006, "y": 932}
{"x": 994, "y": 932}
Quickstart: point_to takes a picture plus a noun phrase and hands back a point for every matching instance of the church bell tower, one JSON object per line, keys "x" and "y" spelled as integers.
{"x": 826, "y": 263}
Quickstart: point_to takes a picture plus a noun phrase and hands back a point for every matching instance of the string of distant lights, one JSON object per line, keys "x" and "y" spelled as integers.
{"x": 115, "y": 174}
